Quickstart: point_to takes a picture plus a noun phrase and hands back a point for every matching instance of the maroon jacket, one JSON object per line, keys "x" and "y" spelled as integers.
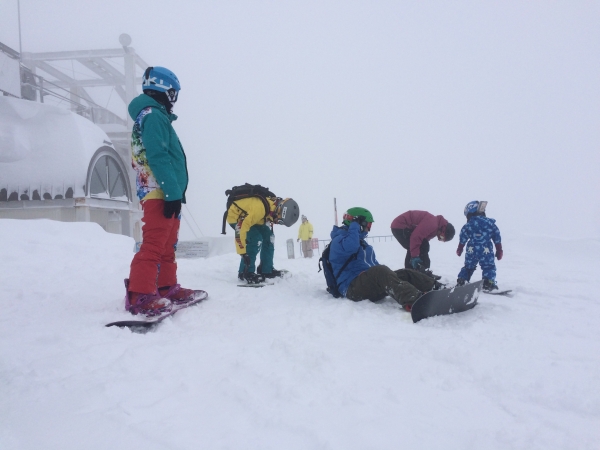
{"x": 424, "y": 226}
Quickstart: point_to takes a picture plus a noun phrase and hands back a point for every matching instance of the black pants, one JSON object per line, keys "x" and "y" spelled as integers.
{"x": 404, "y": 286}
{"x": 403, "y": 236}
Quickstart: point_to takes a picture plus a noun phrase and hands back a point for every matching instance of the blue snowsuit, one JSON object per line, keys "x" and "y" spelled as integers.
{"x": 478, "y": 234}
{"x": 345, "y": 242}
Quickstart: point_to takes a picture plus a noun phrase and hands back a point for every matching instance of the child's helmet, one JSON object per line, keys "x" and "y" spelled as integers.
{"x": 161, "y": 79}
{"x": 355, "y": 212}
{"x": 286, "y": 212}
{"x": 472, "y": 207}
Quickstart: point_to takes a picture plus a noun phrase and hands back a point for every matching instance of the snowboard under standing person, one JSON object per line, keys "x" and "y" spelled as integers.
{"x": 253, "y": 227}
{"x": 161, "y": 181}
{"x": 361, "y": 277}
{"x": 414, "y": 229}
{"x": 477, "y": 235}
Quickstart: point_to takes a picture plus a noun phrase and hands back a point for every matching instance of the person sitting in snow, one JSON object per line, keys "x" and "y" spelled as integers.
{"x": 161, "y": 181}
{"x": 477, "y": 235}
{"x": 253, "y": 235}
{"x": 361, "y": 277}
{"x": 413, "y": 230}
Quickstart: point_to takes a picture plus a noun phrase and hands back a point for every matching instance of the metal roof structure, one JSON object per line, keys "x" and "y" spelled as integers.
{"x": 115, "y": 68}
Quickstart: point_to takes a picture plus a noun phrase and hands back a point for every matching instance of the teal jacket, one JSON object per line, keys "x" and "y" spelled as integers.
{"x": 157, "y": 155}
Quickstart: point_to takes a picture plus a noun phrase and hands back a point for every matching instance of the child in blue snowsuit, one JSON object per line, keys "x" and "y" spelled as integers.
{"x": 477, "y": 235}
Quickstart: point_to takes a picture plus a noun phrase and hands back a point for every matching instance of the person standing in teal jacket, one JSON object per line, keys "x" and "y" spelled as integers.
{"x": 161, "y": 181}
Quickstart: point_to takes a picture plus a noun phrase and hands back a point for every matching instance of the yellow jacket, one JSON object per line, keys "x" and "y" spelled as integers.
{"x": 248, "y": 212}
{"x": 306, "y": 231}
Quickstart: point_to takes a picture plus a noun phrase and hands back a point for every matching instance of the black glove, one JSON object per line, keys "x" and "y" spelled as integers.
{"x": 172, "y": 208}
{"x": 362, "y": 221}
{"x": 246, "y": 260}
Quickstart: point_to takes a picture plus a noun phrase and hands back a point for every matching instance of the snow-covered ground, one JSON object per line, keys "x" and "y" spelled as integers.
{"x": 288, "y": 366}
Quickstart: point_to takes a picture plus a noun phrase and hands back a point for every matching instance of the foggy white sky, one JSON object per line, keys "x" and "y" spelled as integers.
{"x": 387, "y": 105}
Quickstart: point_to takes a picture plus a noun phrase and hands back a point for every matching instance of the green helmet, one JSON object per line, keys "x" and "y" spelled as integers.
{"x": 355, "y": 212}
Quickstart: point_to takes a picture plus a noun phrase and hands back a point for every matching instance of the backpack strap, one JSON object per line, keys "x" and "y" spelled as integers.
{"x": 224, "y": 220}
{"x": 348, "y": 261}
{"x": 225, "y": 215}
{"x": 257, "y": 191}
{"x": 266, "y": 205}
{"x": 352, "y": 258}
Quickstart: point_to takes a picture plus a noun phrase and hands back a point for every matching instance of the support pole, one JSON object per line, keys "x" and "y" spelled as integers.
{"x": 335, "y": 211}
{"x": 19, "y": 18}
{"x": 129, "y": 62}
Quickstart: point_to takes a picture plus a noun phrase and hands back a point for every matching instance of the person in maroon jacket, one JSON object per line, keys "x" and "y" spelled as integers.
{"x": 414, "y": 230}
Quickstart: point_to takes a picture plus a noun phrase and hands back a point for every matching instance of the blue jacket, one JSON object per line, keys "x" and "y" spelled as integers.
{"x": 480, "y": 230}
{"x": 345, "y": 243}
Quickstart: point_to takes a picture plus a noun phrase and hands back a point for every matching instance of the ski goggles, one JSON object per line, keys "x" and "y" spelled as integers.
{"x": 350, "y": 218}
{"x": 172, "y": 95}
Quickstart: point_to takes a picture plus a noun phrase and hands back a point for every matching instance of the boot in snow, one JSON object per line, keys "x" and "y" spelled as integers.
{"x": 437, "y": 286}
{"x": 252, "y": 278}
{"x": 149, "y": 305}
{"x": 460, "y": 282}
{"x": 421, "y": 268}
{"x": 274, "y": 273}
{"x": 181, "y": 296}
{"x": 408, "y": 305}
{"x": 489, "y": 285}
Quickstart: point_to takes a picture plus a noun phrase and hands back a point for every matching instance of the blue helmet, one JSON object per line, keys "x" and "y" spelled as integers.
{"x": 472, "y": 207}
{"x": 161, "y": 79}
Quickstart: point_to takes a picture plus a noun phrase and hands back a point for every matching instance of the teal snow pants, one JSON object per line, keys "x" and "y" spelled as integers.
{"x": 259, "y": 239}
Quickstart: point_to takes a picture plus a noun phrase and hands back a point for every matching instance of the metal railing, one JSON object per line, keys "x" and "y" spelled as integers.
{"x": 38, "y": 87}
{"x": 324, "y": 242}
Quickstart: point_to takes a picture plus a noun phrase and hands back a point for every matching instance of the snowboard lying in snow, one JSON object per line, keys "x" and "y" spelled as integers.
{"x": 150, "y": 322}
{"x": 446, "y": 301}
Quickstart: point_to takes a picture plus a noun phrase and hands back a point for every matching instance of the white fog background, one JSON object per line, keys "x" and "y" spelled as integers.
{"x": 390, "y": 105}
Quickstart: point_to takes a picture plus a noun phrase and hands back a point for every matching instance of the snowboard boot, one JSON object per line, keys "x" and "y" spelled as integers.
{"x": 437, "y": 286}
{"x": 421, "y": 268}
{"x": 408, "y": 305}
{"x": 274, "y": 273}
{"x": 149, "y": 305}
{"x": 181, "y": 296}
{"x": 252, "y": 278}
{"x": 489, "y": 285}
{"x": 460, "y": 282}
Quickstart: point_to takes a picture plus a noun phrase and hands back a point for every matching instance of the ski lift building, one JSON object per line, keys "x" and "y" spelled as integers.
{"x": 68, "y": 164}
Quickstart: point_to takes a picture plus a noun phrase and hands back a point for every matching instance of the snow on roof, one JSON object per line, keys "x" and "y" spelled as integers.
{"x": 45, "y": 147}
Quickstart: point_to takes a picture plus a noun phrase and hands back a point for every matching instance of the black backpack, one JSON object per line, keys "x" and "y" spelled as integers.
{"x": 330, "y": 277}
{"x": 245, "y": 191}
